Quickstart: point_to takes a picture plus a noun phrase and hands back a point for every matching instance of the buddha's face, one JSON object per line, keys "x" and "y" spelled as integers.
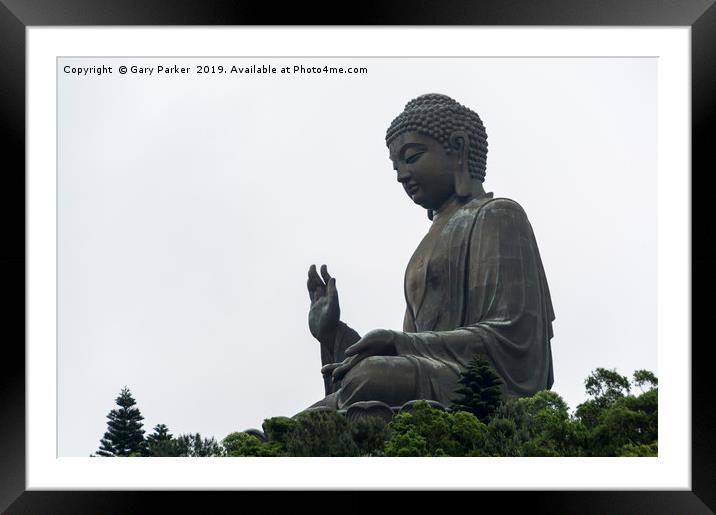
{"x": 425, "y": 169}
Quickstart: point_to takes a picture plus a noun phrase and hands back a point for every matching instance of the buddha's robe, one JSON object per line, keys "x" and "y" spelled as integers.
{"x": 475, "y": 285}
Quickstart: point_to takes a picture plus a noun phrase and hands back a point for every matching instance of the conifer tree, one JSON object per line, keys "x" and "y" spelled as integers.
{"x": 161, "y": 442}
{"x": 124, "y": 436}
{"x": 481, "y": 392}
{"x": 161, "y": 432}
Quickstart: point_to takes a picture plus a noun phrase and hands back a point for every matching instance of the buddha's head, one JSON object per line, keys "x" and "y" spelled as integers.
{"x": 438, "y": 148}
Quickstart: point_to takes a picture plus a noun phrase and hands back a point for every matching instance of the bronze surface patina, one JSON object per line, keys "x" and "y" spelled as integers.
{"x": 474, "y": 285}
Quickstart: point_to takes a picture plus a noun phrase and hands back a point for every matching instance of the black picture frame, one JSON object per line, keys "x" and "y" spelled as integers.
{"x": 17, "y": 15}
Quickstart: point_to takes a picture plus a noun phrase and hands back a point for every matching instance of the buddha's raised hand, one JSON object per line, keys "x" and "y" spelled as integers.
{"x": 325, "y": 311}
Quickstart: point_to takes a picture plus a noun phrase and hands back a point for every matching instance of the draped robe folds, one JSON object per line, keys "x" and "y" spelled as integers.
{"x": 475, "y": 285}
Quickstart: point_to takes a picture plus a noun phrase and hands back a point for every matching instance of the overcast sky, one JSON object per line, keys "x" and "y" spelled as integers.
{"x": 191, "y": 206}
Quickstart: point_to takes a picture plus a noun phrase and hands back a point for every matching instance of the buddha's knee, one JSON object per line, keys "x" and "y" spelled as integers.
{"x": 376, "y": 369}
{"x": 376, "y": 363}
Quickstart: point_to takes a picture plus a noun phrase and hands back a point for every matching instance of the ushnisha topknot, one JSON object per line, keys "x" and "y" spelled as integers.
{"x": 438, "y": 116}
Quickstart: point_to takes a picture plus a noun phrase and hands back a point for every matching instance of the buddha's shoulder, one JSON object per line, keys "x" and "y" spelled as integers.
{"x": 495, "y": 205}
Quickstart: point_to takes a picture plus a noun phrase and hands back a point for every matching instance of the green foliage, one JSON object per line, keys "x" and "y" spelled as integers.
{"x": 369, "y": 434}
{"x": 407, "y": 443}
{"x": 278, "y": 430}
{"x": 427, "y": 431}
{"x": 161, "y": 443}
{"x": 244, "y": 444}
{"x": 611, "y": 422}
{"x": 644, "y": 378}
{"x": 504, "y": 437}
{"x": 647, "y": 403}
{"x": 312, "y": 434}
{"x": 618, "y": 424}
{"x": 480, "y": 392}
{"x": 606, "y": 386}
{"x": 321, "y": 433}
{"x": 541, "y": 426}
{"x": 588, "y": 413}
{"x": 194, "y": 446}
{"x": 164, "y": 449}
{"x": 640, "y": 451}
{"x": 469, "y": 433}
{"x": 124, "y": 436}
{"x": 161, "y": 433}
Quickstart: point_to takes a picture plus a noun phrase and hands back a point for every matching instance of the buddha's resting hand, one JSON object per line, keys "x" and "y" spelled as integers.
{"x": 379, "y": 342}
{"x": 325, "y": 312}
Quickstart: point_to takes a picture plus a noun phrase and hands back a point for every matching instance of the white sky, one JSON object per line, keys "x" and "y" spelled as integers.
{"x": 190, "y": 208}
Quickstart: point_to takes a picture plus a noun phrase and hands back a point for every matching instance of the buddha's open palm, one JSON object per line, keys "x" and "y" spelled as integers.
{"x": 325, "y": 311}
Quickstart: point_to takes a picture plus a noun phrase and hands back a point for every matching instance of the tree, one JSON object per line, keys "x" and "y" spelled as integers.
{"x": 619, "y": 424}
{"x": 194, "y": 446}
{"x": 161, "y": 433}
{"x": 278, "y": 431}
{"x": 124, "y": 436}
{"x": 469, "y": 434}
{"x": 481, "y": 390}
{"x": 407, "y": 443}
{"x": 645, "y": 377}
{"x": 550, "y": 429}
{"x": 504, "y": 437}
{"x": 606, "y": 386}
{"x": 243, "y": 444}
{"x": 612, "y": 422}
{"x": 161, "y": 442}
{"x": 370, "y": 434}
{"x": 640, "y": 451}
{"x": 312, "y": 434}
{"x": 427, "y": 431}
{"x": 321, "y": 433}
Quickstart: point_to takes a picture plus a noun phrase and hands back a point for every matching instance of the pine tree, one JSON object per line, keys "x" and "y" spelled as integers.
{"x": 481, "y": 390}
{"x": 161, "y": 442}
{"x": 124, "y": 436}
{"x": 161, "y": 432}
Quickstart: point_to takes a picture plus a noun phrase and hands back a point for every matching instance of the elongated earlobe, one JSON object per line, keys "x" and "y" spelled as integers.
{"x": 463, "y": 182}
